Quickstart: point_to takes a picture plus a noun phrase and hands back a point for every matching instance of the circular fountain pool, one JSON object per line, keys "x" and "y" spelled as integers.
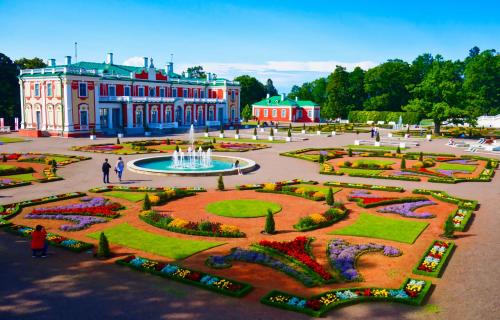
{"x": 165, "y": 165}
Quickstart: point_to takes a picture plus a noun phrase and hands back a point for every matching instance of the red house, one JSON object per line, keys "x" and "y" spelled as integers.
{"x": 282, "y": 109}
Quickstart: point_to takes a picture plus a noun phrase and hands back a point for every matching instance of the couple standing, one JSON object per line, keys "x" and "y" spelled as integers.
{"x": 119, "y": 167}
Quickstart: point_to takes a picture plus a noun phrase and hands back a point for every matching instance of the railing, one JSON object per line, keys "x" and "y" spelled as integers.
{"x": 52, "y": 70}
{"x": 167, "y": 125}
{"x": 157, "y": 99}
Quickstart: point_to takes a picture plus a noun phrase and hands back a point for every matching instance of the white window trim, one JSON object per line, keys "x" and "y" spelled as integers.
{"x": 266, "y": 113}
{"x": 275, "y": 113}
{"x": 195, "y": 94}
{"x": 37, "y": 94}
{"x": 283, "y": 113}
{"x": 185, "y": 93}
{"x": 51, "y": 91}
{"x": 109, "y": 87}
{"x": 154, "y": 92}
{"x": 174, "y": 92}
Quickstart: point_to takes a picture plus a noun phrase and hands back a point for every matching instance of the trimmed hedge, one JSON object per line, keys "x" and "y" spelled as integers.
{"x": 387, "y": 116}
{"x": 245, "y": 287}
{"x": 327, "y": 223}
{"x": 363, "y": 186}
{"x": 443, "y": 196}
{"x": 442, "y": 263}
{"x": 15, "y": 170}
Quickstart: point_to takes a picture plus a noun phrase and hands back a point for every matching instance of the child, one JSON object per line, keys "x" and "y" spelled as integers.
{"x": 38, "y": 242}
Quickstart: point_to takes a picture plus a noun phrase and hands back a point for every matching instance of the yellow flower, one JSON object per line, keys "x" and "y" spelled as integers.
{"x": 318, "y": 195}
{"x": 317, "y": 218}
{"x": 300, "y": 190}
{"x": 178, "y": 223}
{"x": 269, "y": 186}
{"x": 226, "y": 228}
{"x": 154, "y": 199}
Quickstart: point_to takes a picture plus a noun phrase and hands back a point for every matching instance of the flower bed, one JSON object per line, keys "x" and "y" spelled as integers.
{"x": 408, "y": 209}
{"x": 4, "y": 223}
{"x": 343, "y": 256}
{"x": 435, "y": 258}
{"x": 197, "y": 278}
{"x": 321, "y": 220}
{"x": 143, "y": 189}
{"x": 363, "y": 186}
{"x": 443, "y": 196}
{"x": 279, "y": 184}
{"x": 203, "y": 228}
{"x": 82, "y": 222}
{"x": 96, "y": 206}
{"x": 411, "y": 292}
{"x": 461, "y": 218}
{"x": 52, "y": 239}
{"x": 366, "y": 200}
{"x": 9, "y": 183}
{"x": 10, "y": 210}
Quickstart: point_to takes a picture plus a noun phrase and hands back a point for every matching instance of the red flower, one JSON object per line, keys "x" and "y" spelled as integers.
{"x": 313, "y": 304}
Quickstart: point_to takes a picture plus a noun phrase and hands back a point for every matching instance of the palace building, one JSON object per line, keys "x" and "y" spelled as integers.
{"x": 75, "y": 99}
{"x": 282, "y": 109}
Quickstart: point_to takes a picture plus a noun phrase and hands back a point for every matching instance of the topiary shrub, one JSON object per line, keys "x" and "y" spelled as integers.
{"x": 270, "y": 227}
{"x": 321, "y": 158}
{"x": 103, "y": 249}
{"x": 421, "y": 156}
{"x": 329, "y": 197}
{"x": 254, "y": 131}
{"x": 398, "y": 150}
{"x": 4, "y": 158}
{"x": 377, "y": 138}
{"x": 118, "y": 141}
{"x": 271, "y": 133}
{"x": 289, "y": 134}
{"x": 147, "y": 203}
{"x": 403, "y": 163}
{"x": 220, "y": 183}
{"x": 449, "y": 227}
{"x": 349, "y": 152}
{"x": 488, "y": 165}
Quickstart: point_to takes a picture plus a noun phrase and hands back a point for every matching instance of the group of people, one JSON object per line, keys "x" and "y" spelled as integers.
{"x": 373, "y": 132}
{"x": 119, "y": 167}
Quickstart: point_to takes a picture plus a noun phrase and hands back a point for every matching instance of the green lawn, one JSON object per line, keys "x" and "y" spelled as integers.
{"x": 174, "y": 248}
{"x": 6, "y": 166}
{"x": 360, "y": 171}
{"x": 362, "y": 147}
{"x": 374, "y": 161}
{"x": 372, "y": 226}
{"x": 58, "y": 159}
{"x": 21, "y": 177}
{"x": 130, "y": 196}
{"x": 11, "y": 140}
{"x": 313, "y": 187}
{"x": 456, "y": 166}
{"x": 242, "y": 208}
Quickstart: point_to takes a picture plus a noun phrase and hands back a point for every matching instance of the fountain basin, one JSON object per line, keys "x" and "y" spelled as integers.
{"x": 161, "y": 166}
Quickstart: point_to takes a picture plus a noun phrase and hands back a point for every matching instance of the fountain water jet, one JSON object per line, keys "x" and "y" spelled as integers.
{"x": 193, "y": 159}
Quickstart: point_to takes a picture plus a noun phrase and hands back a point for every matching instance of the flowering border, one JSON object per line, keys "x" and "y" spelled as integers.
{"x": 52, "y": 238}
{"x": 443, "y": 260}
{"x": 205, "y": 280}
{"x": 411, "y": 292}
{"x": 257, "y": 186}
{"x": 359, "y": 201}
{"x": 363, "y": 186}
{"x": 143, "y": 189}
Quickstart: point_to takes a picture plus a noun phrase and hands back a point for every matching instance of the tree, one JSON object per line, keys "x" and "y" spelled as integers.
{"x": 103, "y": 249}
{"x": 356, "y": 88}
{"x": 421, "y": 66}
{"x": 398, "y": 150}
{"x": 196, "y": 72}
{"x": 147, "y": 203}
{"x": 246, "y": 113}
{"x": 252, "y": 90}
{"x": 439, "y": 95}
{"x": 421, "y": 156}
{"x": 255, "y": 131}
{"x": 118, "y": 141}
{"x": 449, "y": 227}
{"x": 270, "y": 89}
{"x": 321, "y": 158}
{"x": 220, "y": 183}
{"x": 289, "y": 133}
{"x": 349, "y": 152}
{"x": 377, "y": 137}
{"x": 34, "y": 63}
{"x": 386, "y": 86}
{"x": 270, "y": 227}
{"x": 338, "y": 102}
{"x": 9, "y": 90}
{"x": 329, "y": 197}
{"x": 271, "y": 133}
{"x": 403, "y": 163}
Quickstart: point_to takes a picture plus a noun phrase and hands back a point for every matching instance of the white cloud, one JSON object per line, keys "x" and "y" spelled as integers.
{"x": 134, "y": 62}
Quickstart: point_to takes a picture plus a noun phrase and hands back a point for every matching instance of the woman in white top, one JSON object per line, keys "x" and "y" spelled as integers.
{"x": 119, "y": 168}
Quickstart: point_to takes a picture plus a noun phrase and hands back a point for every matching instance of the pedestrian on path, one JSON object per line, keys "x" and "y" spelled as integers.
{"x": 119, "y": 168}
{"x": 38, "y": 241}
{"x": 105, "y": 171}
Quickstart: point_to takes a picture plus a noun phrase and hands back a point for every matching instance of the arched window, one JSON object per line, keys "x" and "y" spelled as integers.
{"x": 50, "y": 115}
{"x": 211, "y": 114}
{"x": 28, "y": 116}
{"x": 200, "y": 115}
{"x": 168, "y": 115}
{"x": 154, "y": 114}
{"x": 58, "y": 115}
{"x": 189, "y": 118}
{"x": 139, "y": 116}
{"x": 84, "y": 116}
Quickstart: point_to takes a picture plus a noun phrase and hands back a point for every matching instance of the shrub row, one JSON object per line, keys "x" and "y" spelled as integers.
{"x": 387, "y": 116}
{"x": 363, "y": 186}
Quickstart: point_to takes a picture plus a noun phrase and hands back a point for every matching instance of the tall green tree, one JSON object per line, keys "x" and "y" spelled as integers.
{"x": 252, "y": 90}
{"x": 356, "y": 88}
{"x": 338, "y": 96}
{"x": 270, "y": 89}
{"x": 34, "y": 63}
{"x": 421, "y": 65}
{"x": 439, "y": 96}
{"x": 482, "y": 83}
{"x": 196, "y": 72}
{"x": 9, "y": 90}
{"x": 386, "y": 86}
{"x": 246, "y": 113}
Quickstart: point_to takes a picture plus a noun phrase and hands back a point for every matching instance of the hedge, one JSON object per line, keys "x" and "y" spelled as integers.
{"x": 387, "y": 116}
{"x": 443, "y": 196}
{"x": 325, "y": 224}
{"x": 360, "y": 203}
{"x": 363, "y": 186}
{"x": 442, "y": 263}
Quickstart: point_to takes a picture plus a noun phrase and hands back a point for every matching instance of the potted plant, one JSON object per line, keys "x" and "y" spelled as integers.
{"x": 318, "y": 132}
{"x": 92, "y": 134}
{"x": 237, "y": 134}
{"x": 271, "y": 135}
{"x": 206, "y": 132}
{"x": 221, "y": 134}
{"x": 254, "y": 137}
{"x": 303, "y": 128}
{"x": 289, "y": 136}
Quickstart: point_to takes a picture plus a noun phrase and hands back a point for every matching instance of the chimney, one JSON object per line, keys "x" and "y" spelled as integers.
{"x": 52, "y": 62}
{"x": 109, "y": 58}
{"x": 67, "y": 59}
{"x": 145, "y": 62}
{"x": 267, "y": 96}
{"x": 282, "y": 97}
{"x": 170, "y": 68}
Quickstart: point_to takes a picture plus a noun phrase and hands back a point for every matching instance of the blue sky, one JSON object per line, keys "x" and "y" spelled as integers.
{"x": 288, "y": 41}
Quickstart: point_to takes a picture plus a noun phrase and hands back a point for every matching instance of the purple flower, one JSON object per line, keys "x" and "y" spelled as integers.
{"x": 82, "y": 222}
{"x": 407, "y": 209}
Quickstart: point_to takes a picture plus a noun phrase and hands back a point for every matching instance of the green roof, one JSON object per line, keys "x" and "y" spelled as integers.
{"x": 287, "y": 102}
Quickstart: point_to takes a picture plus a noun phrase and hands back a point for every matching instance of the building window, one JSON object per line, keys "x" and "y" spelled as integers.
{"x": 202, "y": 94}
{"x": 174, "y": 92}
{"x": 185, "y": 93}
{"x": 112, "y": 91}
{"x": 257, "y": 112}
{"x": 141, "y": 92}
{"x": 266, "y": 113}
{"x": 49, "y": 90}
{"x": 299, "y": 113}
{"x": 310, "y": 113}
{"x": 275, "y": 113}
{"x": 37, "y": 89}
{"x": 196, "y": 93}
{"x": 152, "y": 92}
{"x": 154, "y": 116}
{"x": 82, "y": 89}
{"x": 162, "y": 92}
{"x": 126, "y": 91}
{"x": 103, "y": 116}
{"x": 232, "y": 95}
{"x": 168, "y": 115}
{"x": 84, "y": 121}
{"x": 283, "y": 113}
{"x": 138, "y": 118}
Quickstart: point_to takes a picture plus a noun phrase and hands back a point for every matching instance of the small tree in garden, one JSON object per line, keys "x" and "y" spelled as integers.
{"x": 290, "y": 126}
{"x": 220, "y": 183}
{"x": 53, "y": 164}
{"x": 254, "y": 131}
{"x": 206, "y": 129}
{"x": 117, "y": 140}
{"x": 103, "y": 249}
{"x": 321, "y": 158}
{"x": 398, "y": 150}
{"x": 4, "y": 158}
{"x": 289, "y": 134}
{"x": 421, "y": 156}
{"x": 304, "y": 126}
{"x": 377, "y": 137}
{"x": 214, "y": 141}
{"x": 449, "y": 227}
{"x": 357, "y": 133}
{"x": 349, "y": 152}
{"x": 237, "y": 129}
{"x": 276, "y": 125}
{"x": 271, "y": 133}
{"x": 329, "y": 197}
{"x": 270, "y": 227}
{"x": 488, "y": 164}
{"x": 147, "y": 203}
{"x": 408, "y": 129}
{"x": 403, "y": 163}
{"x": 221, "y": 128}
{"x": 168, "y": 141}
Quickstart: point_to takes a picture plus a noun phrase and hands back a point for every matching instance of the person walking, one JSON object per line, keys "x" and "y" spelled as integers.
{"x": 38, "y": 241}
{"x": 119, "y": 168}
{"x": 105, "y": 171}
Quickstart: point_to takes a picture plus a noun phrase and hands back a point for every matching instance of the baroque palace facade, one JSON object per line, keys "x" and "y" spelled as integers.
{"x": 76, "y": 99}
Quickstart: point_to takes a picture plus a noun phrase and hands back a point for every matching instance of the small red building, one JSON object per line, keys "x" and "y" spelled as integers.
{"x": 282, "y": 109}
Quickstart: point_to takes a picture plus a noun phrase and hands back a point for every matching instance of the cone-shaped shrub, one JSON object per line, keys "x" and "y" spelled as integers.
{"x": 377, "y": 137}
{"x": 421, "y": 156}
{"x": 449, "y": 227}
{"x": 321, "y": 158}
{"x": 220, "y": 183}
{"x": 254, "y": 131}
{"x": 147, "y": 203}
{"x": 289, "y": 134}
{"x": 403, "y": 163}
{"x": 349, "y": 152}
{"x": 398, "y": 150}
{"x": 329, "y": 197}
{"x": 270, "y": 228}
{"x": 103, "y": 249}
{"x": 117, "y": 140}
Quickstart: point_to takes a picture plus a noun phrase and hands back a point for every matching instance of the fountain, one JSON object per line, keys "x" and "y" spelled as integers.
{"x": 191, "y": 163}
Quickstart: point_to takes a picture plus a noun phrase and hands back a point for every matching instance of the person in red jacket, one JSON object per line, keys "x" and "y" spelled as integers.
{"x": 38, "y": 242}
